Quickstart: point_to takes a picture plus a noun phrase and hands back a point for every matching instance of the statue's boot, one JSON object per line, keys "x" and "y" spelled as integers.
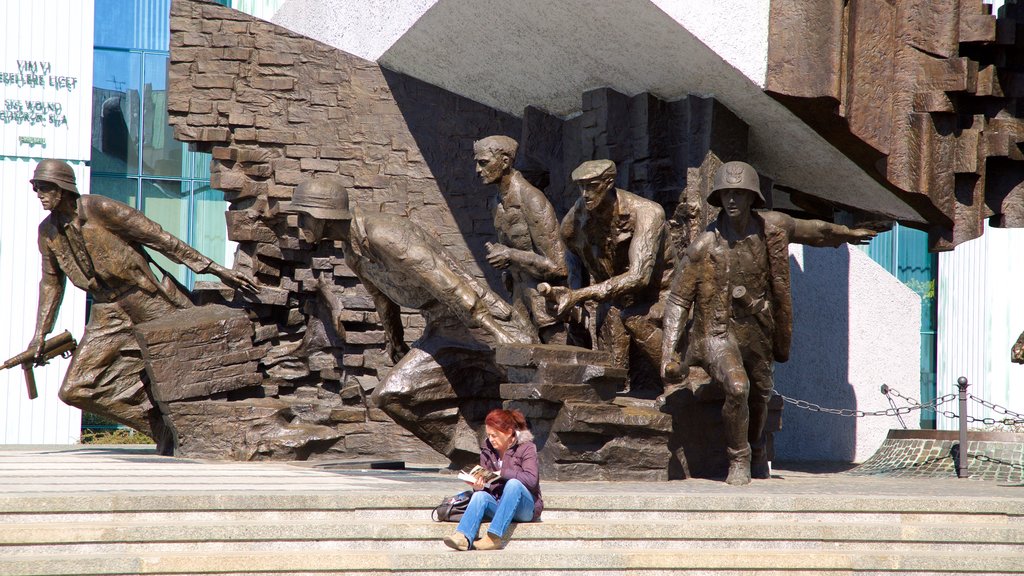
{"x": 739, "y": 467}
{"x": 759, "y": 463}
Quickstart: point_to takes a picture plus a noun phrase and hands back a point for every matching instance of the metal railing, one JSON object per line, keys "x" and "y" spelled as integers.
{"x": 961, "y": 457}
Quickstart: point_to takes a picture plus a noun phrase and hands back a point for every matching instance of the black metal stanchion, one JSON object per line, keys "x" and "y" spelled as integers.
{"x": 961, "y": 469}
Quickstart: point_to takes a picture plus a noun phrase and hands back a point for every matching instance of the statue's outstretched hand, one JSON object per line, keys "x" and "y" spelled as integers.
{"x": 861, "y": 235}
{"x": 233, "y": 278}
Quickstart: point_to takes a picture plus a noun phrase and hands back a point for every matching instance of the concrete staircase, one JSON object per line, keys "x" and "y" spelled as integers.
{"x": 362, "y": 532}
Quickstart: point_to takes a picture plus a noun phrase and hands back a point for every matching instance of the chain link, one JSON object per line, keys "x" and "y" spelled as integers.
{"x": 985, "y": 458}
{"x": 894, "y": 411}
{"x": 998, "y": 409}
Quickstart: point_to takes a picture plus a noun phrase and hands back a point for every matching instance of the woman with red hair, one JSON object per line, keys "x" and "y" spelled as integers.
{"x": 515, "y": 495}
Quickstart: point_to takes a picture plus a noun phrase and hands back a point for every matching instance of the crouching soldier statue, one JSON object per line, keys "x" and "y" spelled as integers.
{"x": 443, "y": 386}
{"x": 98, "y": 243}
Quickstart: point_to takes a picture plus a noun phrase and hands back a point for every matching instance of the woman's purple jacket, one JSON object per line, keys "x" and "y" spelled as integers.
{"x": 520, "y": 463}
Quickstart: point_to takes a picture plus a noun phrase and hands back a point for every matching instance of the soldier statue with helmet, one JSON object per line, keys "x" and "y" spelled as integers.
{"x": 99, "y": 244}
{"x": 735, "y": 277}
{"x": 445, "y": 383}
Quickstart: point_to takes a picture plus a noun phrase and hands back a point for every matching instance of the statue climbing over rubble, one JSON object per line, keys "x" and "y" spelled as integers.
{"x": 735, "y": 277}
{"x": 99, "y": 244}
{"x": 445, "y": 384}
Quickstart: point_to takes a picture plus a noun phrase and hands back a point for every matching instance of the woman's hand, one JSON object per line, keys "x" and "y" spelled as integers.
{"x": 478, "y": 485}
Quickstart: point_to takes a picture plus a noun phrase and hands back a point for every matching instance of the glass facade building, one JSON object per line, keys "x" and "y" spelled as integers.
{"x": 135, "y": 158}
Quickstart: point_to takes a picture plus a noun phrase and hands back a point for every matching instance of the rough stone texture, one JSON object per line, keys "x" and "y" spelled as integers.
{"x": 282, "y": 108}
{"x": 991, "y": 456}
{"x": 199, "y": 352}
{"x": 405, "y": 147}
{"x": 923, "y": 94}
{"x": 582, "y": 430}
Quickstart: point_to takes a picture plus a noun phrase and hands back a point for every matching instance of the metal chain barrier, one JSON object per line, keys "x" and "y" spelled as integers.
{"x": 1013, "y": 417}
{"x": 985, "y": 458}
{"x": 892, "y": 411}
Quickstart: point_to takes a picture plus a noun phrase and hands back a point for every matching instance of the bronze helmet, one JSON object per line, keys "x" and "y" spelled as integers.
{"x": 324, "y": 197}
{"x": 737, "y": 176}
{"x": 56, "y": 172}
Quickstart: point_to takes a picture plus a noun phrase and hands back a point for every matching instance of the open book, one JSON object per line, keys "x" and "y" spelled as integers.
{"x": 480, "y": 472}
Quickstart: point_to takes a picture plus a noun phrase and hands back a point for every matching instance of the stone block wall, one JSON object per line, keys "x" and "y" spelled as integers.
{"x": 276, "y": 108}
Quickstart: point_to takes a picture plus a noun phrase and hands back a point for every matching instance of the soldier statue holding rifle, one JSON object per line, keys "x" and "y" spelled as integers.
{"x": 99, "y": 244}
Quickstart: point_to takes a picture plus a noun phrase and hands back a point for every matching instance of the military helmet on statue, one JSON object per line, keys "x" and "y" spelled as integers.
{"x": 56, "y": 172}
{"x": 323, "y": 197}
{"x": 736, "y": 176}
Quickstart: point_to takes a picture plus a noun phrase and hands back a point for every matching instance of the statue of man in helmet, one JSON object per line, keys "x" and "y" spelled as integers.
{"x": 99, "y": 244}
{"x": 735, "y": 276}
{"x": 447, "y": 382}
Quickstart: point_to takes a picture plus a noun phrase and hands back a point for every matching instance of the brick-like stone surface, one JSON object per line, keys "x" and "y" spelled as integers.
{"x": 926, "y": 92}
{"x": 995, "y": 457}
{"x": 277, "y": 108}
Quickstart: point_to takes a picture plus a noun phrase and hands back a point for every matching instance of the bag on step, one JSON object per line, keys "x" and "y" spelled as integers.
{"x": 452, "y": 508}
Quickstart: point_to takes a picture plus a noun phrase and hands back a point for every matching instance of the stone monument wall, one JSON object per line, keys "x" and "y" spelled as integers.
{"x": 275, "y": 108}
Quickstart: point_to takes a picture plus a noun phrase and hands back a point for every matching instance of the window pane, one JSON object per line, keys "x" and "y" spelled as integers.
{"x": 121, "y": 189}
{"x": 115, "y": 118}
{"x": 134, "y": 24}
{"x": 166, "y": 203}
{"x": 200, "y": 165}
{"x": 209, "y": 228}
{"x": 162, "y": 155}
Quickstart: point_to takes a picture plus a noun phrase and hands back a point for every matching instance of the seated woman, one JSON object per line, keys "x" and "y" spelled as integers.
{"x": 515, "y": 495}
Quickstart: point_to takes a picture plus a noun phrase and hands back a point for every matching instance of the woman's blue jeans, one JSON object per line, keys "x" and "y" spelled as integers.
{"x": 516, "y": 504}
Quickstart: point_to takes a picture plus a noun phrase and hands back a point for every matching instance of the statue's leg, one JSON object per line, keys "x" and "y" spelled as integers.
{"x": 643, "y": 324}
{"x": 103, "y": 380}
{"x": 761, "y": 385}
{"x": 725, "y": 365}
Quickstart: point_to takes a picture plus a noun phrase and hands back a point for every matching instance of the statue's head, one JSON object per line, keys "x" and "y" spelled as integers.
{"x": 737, "y": 176}
{"x": 494, "y": 156}
{"x": 51, "y": 179}
{"x": 594, "y": 178}
{"x": 320, "y": 202}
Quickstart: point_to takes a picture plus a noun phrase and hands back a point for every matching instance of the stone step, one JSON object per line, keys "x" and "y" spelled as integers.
{"x": 403, "y": 501}
{"x": 138, "y": 538}
{"x": 512, "y": 561}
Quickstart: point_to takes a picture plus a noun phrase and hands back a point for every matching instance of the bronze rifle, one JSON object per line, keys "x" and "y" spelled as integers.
{"x": 62, "y": 344}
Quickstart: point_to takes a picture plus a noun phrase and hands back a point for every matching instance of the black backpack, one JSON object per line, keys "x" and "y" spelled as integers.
{"x": 452, "y": 508}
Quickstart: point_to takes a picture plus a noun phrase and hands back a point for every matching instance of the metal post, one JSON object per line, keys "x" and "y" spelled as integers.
{"x": 961, "y": 470}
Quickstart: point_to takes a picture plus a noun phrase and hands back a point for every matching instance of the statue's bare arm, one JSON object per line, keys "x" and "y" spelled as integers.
{"x": 643, "y": 253}
{"x": 51, "y": 292}
{"x": 821, "y": 233}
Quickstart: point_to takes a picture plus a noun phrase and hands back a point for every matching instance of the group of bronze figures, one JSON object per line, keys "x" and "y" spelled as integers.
{"x": 607, "y": 272}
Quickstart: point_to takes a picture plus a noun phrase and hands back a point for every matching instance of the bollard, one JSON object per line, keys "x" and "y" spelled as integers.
{"x": 961, "y": 470}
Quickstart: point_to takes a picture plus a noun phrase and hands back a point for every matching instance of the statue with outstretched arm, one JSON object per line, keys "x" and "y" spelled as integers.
{"x": 734, "y": 278}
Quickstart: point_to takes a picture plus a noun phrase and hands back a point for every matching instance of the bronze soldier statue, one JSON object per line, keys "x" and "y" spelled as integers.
{"x": 529, "y": 246}
{"x": 445, "y": 384}
{"x": 735, "y": 275}
{"x": 98, "y": 243}
{"x": 621, "y": 240}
